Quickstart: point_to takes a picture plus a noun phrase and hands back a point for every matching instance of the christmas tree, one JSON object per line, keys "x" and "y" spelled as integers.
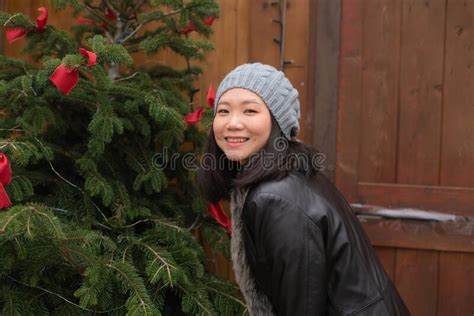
{"x": 94, "y": 218}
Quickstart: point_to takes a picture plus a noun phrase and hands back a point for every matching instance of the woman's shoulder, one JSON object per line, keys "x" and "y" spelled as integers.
{"x": 311, "y": 194}
{"x": 283, "y": 187}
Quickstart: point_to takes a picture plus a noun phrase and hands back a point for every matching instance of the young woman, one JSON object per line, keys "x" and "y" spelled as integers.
{"x": 297, "y": 248}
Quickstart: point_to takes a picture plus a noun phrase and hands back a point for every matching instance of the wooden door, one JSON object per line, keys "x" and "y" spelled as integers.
{"x": 406, "y": 104}
{"x": 405, "y": 138}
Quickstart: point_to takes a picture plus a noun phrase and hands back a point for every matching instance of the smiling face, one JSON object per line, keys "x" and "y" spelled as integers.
{"x": 242, "y": 124}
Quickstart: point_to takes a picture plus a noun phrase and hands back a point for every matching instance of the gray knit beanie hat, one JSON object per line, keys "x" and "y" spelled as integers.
{"x": 272, "y": 87}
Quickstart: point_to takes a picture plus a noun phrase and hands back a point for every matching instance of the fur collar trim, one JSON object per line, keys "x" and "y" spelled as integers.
{"x": 257, "y": 302}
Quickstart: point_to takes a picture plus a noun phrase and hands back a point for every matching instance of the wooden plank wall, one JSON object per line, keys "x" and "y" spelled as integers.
{"x": 405, "y": 139}
{"x": 405, "y": 135}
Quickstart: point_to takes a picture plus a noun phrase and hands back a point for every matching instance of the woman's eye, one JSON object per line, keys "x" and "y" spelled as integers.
{"x": 251, "y": 111}
{"x": 221, "y": 111}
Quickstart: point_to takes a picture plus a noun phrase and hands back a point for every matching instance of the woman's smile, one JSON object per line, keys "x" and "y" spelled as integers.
{"x": 236, "y": 141}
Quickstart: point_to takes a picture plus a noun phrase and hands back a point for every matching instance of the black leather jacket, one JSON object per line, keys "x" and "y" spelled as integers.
{"x": 309, "y": 253}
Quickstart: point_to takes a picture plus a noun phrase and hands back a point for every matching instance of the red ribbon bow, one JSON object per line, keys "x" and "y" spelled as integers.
{"x": 209, "y": 20}
{"x": 65, "y": 78}
{"x": 190, "y": 28}
{"x": 194, "y": 117}
{"x": 5, "y": 178}
{"x": 220, "y": 216}
{"x": 91, "y": 57}
{"x": 211, "y": 96}
{"x": 15, "y": 33}
{"x": 86, "y": 21}
{"x": 109, "y": 14}
{"x": 42, "y": 19}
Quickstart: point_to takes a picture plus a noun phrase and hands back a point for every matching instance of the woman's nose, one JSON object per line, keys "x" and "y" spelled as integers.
{"x": 235, "y": 122}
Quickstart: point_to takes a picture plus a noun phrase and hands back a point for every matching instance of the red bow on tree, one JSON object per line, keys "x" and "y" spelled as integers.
{"x": 5, "y": 178}
{"x": 109, "y": 14}
{"x": 220, "y": 216}
{"x": 196, "y": 116}
{"x": 211, "y": 96}
{"x": 15, "y": 33}
{"x": 91, "y": 57}
{"x": 66, "y": 78}
{"x": 190, "y": 28}
{"x": 42, "y": 19}
{"x": 86, "y": 21}
{"x": 209, "y": 20}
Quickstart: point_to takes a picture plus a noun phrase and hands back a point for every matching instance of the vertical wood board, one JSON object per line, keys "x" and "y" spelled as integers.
{"x": 417, "y": 280}
{"x": 421, "y": 79}
{"x": 380, "y": 65}
{"x": 262, "y": 29}
{"x": 349, "y": 99}
{"x": 297, "y": 22}
{"x": 323, "y": 89}
{"x": 387, "y": 256}
{"x": 456, "y": 284}
{"x": 457, "y": 151}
